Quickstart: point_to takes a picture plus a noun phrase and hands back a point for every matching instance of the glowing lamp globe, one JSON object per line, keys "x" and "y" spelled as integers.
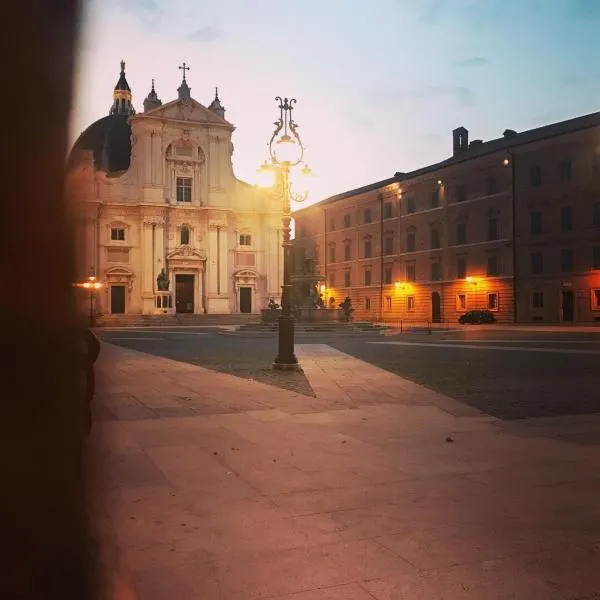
{"x": 286, "y": 150}
{"x": 301, "y": 180}
{"x": 265, "y": 175}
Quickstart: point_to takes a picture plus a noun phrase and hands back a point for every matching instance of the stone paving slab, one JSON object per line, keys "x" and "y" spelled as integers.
{"x": 219, "y": 488}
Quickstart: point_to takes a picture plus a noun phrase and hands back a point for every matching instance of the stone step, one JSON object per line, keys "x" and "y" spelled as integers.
{"x": 303, "y": 334}
{"x": 175, "y": 320}
{"x": 307, "y": 326}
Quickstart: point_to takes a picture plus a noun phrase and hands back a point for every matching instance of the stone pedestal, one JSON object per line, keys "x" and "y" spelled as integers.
{"x": 318, "y": 315}
{"x": 268, "y": 315}
{"x": 163, "y": 303}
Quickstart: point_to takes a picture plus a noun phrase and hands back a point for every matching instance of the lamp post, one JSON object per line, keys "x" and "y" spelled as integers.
{"x": 92, "y": 285}
{"x": 285, "y": 153}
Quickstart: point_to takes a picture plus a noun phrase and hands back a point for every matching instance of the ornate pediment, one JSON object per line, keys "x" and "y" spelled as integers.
{"x": 186, "y": 253}
{"x": 118, "y": 272}
{"x": 187, "y": 110}
{"x": 245, "y": 277}
{"x": 246, "y": 274}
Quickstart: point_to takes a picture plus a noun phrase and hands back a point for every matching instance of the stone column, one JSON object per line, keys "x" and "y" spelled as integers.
{"x": 217, "y": 270}
{"x": 224, "y": 261}
{"x": 159, "y": 158}
{"x": 213, "y": 162}
{"x": 147, "y": 269}
{"x": 147, "y": 157}
{"x": 218, "y": 165}
{"x": 159, "y": 249}
{"x": 196, "y": 191}
{"x": 213, "y": 279}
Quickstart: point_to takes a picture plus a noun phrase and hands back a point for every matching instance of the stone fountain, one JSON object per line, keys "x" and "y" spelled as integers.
{"x": 308, "y": 305}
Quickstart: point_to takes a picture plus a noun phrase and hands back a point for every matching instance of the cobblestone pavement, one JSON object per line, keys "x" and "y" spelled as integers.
{"x": 247, "y": 358}
{"x": 507, "y": 374}
{"x": 512, "y": 375}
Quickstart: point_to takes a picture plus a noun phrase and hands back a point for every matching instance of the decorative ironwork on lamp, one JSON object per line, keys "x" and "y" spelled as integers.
{"x": 286, "y": 152}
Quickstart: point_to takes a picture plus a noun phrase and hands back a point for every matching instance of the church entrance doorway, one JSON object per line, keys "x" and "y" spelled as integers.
{"x": 117, "y": 299}
{"x": 184, "y": 293}
{"x": 245, "y": 299}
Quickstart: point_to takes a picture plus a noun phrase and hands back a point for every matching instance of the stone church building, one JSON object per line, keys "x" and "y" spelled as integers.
{"x": 160, "y": 217}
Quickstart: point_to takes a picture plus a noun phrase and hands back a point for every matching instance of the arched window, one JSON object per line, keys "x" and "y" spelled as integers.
{"x": 184, "y": 235}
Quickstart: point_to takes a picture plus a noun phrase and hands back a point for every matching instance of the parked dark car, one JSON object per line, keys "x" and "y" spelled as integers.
{"x": 477, "y": 317}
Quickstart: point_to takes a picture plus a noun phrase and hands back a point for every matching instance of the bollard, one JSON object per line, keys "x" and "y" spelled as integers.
{"x": 428, "y": 327}
{"x": 400, "y": 327}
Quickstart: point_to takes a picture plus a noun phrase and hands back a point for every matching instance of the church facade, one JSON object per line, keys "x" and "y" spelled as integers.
{"x": 160, "y": 218}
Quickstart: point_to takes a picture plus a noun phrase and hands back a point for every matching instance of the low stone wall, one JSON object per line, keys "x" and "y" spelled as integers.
{"x": 319, "y": 314}
{"x": 305, "y": 315}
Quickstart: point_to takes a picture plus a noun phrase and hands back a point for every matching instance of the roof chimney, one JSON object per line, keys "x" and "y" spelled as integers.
{"x": 460, "y": 140}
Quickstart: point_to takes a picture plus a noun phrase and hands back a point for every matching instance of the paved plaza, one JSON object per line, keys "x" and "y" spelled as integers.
{"x": 511, "y": 374}
{"x": 352, "y": 481}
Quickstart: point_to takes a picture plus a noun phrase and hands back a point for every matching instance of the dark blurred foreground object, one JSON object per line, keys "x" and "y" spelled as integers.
{"x": 477, "y": 317}
{"x": 88, "y": 352}
{"x": 44, "y": 516}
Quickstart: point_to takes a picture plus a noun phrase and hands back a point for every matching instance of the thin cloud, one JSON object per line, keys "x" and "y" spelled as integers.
{"x": 463, "y": 95}
{"x": 474, "y": 61}
{"x": 583, "y": 9}
{"x": 460, "y": 94}
{"x": 205, "y": 34}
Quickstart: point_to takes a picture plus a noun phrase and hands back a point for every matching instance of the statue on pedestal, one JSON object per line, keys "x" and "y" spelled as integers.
{"x": 346, "y": 306}
{"x": 162, "y": 281}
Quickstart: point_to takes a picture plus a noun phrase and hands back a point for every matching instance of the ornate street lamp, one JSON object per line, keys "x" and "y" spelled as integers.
{"x": 92, "y": 285}
{"x": 286, "y": 152}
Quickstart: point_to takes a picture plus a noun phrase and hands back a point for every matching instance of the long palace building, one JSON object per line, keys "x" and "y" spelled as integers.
{"x": 510, "y": 225}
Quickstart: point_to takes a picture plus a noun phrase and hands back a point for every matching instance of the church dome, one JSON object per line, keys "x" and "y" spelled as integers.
{"x": 109, "y": 139}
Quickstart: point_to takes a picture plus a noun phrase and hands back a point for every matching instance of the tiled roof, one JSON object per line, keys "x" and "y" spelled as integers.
{"x": 510, "y": 140}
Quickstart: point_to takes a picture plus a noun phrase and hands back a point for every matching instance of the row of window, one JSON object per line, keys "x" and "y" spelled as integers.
{"x": 492, "y": 270}
{"x": 462, "y": 303}
{"x": 118, "y": 234}
{"x": 566, "y": 219}
{"x": 564, "y": 170}
{"x": 537, "y": 299}
{"x": 493, "y": 233}
{"x": 566, "y": 261}
{"x": 536, "y": 220}
{"x": 410, "y": 272}
{"x": 388, "y": 211}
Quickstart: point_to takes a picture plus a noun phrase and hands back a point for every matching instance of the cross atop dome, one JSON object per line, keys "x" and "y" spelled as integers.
{"x": 184, "y": 68}
{"x": 185, "y": 92}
